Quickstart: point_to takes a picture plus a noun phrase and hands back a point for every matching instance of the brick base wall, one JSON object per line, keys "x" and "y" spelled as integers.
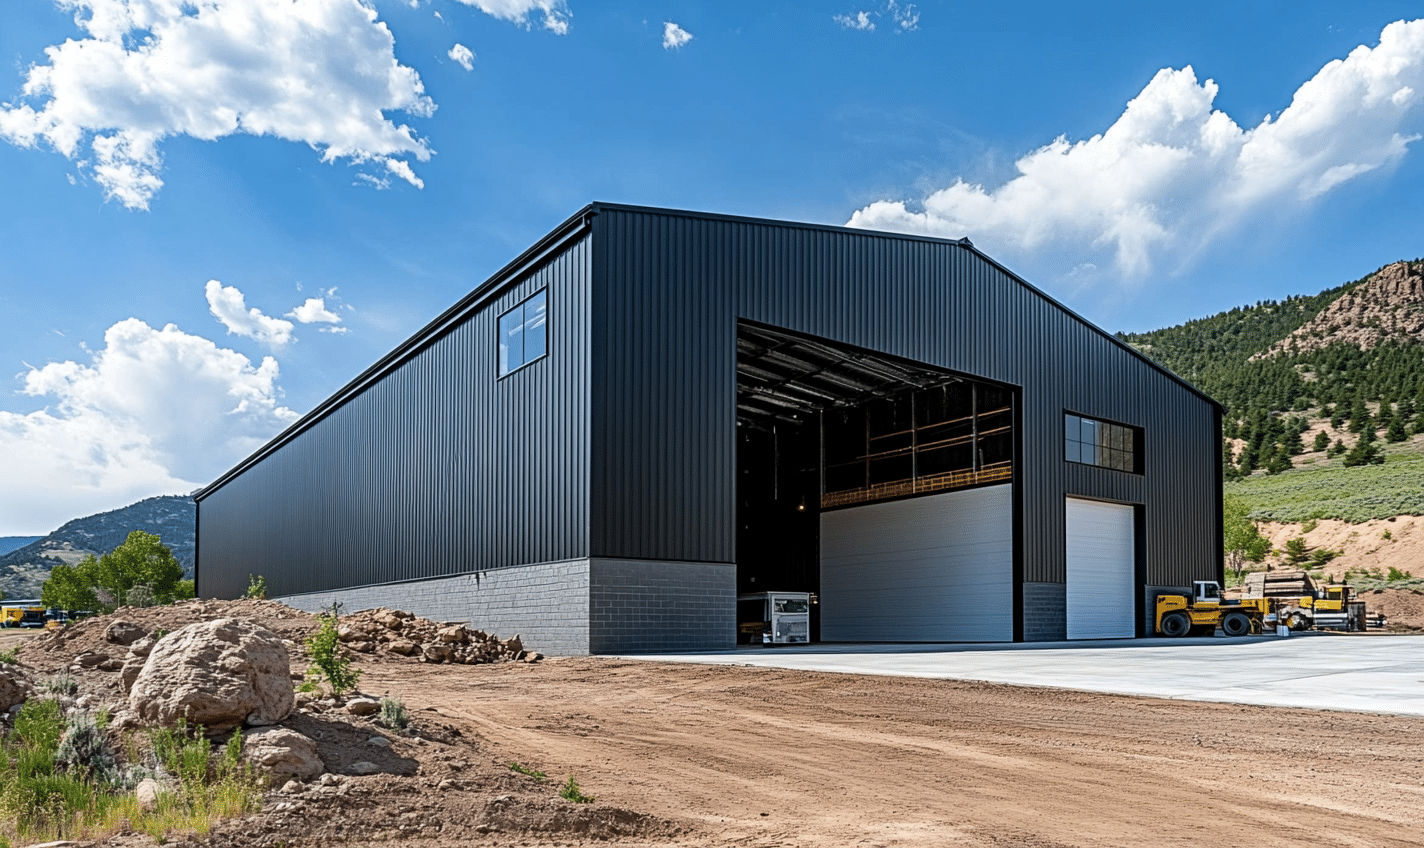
{"x": 648, "y": 605}
{"x": 1045, "y": 610}
{"x": 546, "y": 605}
{"x": 599, "y": 606}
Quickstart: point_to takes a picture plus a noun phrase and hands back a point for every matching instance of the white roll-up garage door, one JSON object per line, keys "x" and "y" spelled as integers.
{"x": 1101, "y": 570}
{"x": 931, "y": 569}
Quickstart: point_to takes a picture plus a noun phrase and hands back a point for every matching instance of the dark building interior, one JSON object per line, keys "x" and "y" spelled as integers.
{"x": 821, "y": 425}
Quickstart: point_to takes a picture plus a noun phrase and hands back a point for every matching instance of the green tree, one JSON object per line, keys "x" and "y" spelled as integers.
{"x": 1366, "y": 451}
{"x": 1336, "y": 449}
{"x": 1292, "y": 444}
{"x": 71, "y": 587}
{"x": 1359, "y": 416}
{"x": 1295, "y": 551}
{"x": 1396, "y": 433}
{"x": 1243, "y": 541}
{"x": 1278, "y": 461}
{"x": 106, "y": 583}
{"x": 1322, "y": 441}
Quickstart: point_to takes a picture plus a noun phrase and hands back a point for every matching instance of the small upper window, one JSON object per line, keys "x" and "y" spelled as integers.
{"x": 1093, "y": 442}
{"x": 523, "y": 333}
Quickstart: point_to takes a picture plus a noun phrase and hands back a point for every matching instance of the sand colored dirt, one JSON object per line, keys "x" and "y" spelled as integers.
{"x": 1361, "y": 546}
{"x": 765, "y": 758}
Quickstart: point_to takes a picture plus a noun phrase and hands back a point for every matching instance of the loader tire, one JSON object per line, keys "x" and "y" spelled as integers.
{"x": 1236, "y": 624}
{"x": 1176, "y": 624}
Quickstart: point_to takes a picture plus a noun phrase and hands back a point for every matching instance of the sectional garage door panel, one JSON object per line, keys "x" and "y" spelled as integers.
{"x": 932, "y": 569}
{"x": 1101, "y": 597}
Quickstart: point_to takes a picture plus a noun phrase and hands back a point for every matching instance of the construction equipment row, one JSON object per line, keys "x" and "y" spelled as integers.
{"x": 1269, "y": 599}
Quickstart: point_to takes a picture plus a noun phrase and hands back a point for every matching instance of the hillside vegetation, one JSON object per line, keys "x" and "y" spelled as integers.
{"x": 1339, "y": 374}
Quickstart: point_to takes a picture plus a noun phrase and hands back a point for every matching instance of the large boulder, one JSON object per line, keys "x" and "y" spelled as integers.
{"x": 281, "y": 752}
{"x": 123, "y": 633}
{"x": 220, "y": 674}
{"x": 13, "y": 690}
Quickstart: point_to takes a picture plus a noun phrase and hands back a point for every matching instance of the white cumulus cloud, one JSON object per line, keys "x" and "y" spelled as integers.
{"x": 556, "y": 14}
{"x": 859, "y": 20}
{"x": 1172, "y": 174}
{"x": 153, "y": 412}
{"x": 230, "y": 307}
{"x": 322, "y": 72}
{"x": 402, "y": 169}
{"x": 674, "y": 36}
{"x": 463, "y": 56}
{"x": 314, "y": 311}
{"x": 904, "y": 16}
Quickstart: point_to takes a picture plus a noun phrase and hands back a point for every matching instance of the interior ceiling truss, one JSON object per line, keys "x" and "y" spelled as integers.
{"x": 781, "y": 377}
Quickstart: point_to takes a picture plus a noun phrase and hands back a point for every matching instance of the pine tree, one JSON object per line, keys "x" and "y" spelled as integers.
{"x": 1396, "y": 432}
{"x": 1279, "y": 461}
{"x": 1359, "y": 416}
{"x": 1385, "y": 416}
{"x": 1322, "y": 441}
{"x": 1365, "y": 451}
{"x": 1291, "y": 445}
{"x": 1336, "y": 449}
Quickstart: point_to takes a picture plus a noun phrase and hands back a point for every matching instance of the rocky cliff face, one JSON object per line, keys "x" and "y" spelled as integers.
{"x": 1389, "y": 305}
{"x": 171, "y": 518}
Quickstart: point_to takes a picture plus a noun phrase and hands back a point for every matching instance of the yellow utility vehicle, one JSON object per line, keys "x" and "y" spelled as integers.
{"x": 22, "y": 614}
{"x": 1205, "y": 610}
{"x": 1302, "y": 605}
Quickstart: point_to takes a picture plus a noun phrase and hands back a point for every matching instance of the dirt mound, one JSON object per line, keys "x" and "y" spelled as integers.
{"x": 1403, "y": 607}
{"x": 55, "y": 649}
{"x": 429, "y": 784}
{"x": 369, "y": 636}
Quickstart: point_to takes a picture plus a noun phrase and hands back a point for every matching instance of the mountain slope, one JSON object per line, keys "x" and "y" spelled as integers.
{"x": 1360, "y": 340}
{"x": 171, "y": 518}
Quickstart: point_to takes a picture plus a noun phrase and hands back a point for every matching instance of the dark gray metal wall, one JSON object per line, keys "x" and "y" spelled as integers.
{"x": 621, "y": 443}
{"x": 436, "y": 468}
{"x": 671, "y": 287}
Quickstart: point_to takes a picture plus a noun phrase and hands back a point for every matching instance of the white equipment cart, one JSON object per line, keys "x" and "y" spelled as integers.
{"x": 774, "y": 618}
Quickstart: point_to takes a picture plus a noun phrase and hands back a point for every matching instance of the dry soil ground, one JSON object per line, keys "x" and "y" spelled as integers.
{"x": 713, "y": 756}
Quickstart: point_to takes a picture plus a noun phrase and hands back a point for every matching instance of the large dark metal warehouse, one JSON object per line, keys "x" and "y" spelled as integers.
{"x": 652, "y": 411}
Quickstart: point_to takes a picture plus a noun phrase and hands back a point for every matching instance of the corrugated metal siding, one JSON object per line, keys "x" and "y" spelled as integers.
{"x": 436, "y": 469}
{"x": 906, "y": 571}
{"x": 671, "y": 287}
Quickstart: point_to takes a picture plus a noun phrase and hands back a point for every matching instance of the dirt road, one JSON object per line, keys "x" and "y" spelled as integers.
{"x": 762, "y": 758}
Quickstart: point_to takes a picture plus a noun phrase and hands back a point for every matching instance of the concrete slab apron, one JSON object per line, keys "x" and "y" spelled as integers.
{"x": 1375, "y": 674}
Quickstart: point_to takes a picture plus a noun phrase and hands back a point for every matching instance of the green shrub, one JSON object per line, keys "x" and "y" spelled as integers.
{"x": 571, "y": 792}
{"x": 84, "y": 750}
{"x": 257, "y": 587}
{"x": 539, "y": 776}
{"x": 11, "y": 656}
{"x": 62, "y": 683}
{"x": 1396, "y": 575}
{"x": 329, "y": 663}
{"x": 393, "y": 714}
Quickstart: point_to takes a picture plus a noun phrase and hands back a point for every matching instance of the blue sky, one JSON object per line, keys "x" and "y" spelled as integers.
{"x": 348, "y": 169}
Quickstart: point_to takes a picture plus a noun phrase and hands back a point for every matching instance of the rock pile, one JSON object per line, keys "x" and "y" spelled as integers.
{"x": 403, "y": 634}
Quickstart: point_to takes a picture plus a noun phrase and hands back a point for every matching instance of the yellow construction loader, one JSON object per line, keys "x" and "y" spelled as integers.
{"x": 1205, "y": 610}
{"x": 1302, "y": 605}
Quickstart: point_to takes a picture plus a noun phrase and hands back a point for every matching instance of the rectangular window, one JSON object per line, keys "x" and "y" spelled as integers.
{"x": 523, "y": 333}
{"x": 1092, "y": 442}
